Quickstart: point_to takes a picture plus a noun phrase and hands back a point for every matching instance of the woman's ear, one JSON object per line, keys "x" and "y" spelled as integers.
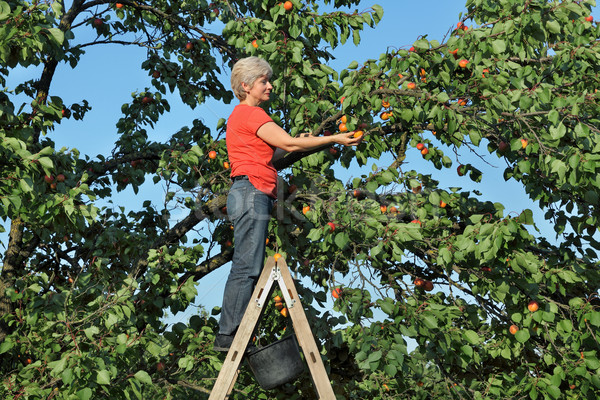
{"x": 246, "y": 87}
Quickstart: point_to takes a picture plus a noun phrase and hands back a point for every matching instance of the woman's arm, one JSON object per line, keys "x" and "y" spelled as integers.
{"x": 280, "y": 153}
{"x": 277, "y": 137}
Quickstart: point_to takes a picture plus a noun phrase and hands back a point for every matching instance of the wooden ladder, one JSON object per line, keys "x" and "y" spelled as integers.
{"x": 274, "y": 270}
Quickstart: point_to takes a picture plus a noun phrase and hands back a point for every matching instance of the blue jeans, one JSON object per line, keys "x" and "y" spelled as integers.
{"x": 249, "y": 210}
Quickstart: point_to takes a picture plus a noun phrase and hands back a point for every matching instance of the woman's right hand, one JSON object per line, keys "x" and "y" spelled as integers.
{"x": 348, "y": 139}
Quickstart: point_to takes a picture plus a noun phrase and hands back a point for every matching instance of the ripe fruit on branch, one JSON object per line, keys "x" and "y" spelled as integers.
{"x": 212, "y": 154}
{"x": 385, "y": 104}
{"x": 336, "y": 293}
{"x": 513, "y": 329}
{"x": 411, "y": 85}
{"x": 49, "y": 178}
{"x": 344, "y": 119}
{"x": 454, "y": 53}
{"x": 419, "y": 282}
{"x": 420, "y": 146}
{"x": 225, "y": 165}
{"x": 288, "y": 5}
{"x": 343, "y": 127}
{"x": 523, "y": 143}
{"x": 425, "y": 151}
{"x": 98, "y": 22}
{"x": 255, "y": 44}
{"x": 533, "y": 306}
{"x": 60, "y": 178}
{"x": 305, "y": 209}
{"x": 502, "y": 146}
{"x": 358, "y": 134}
{"x": 279, "y": 305}
{"x": 119, "y": 5}
{"x": 463, "y": 63}
{"x": 277, "y": 256}
{"x": 485, "y": 71}
{"x": 443, "y": 204}
{"x": 412, "y": 48}
{"x": 417, "y": 189}
{"x": 589, "y": 18}
{"x": 385, "y": 116}
{"x": 357, "y": 193}
{"x": 160, "y": 366}
{"x": 284, "y": 312}
{"x": 428, "y": 286}
{"x": 147, "y": 100}
{"x": 331, "y": 226}
{"x": 333, "y": 151}
{"x": 460, "y": 170}
{"x": 383, "y": 208}
{"x": 327, "y": 133}
{"x": 189, "y": 46}
{"x": 486, "y": 269}
{"x": 155, "y": 74}
{"x": 415, "y": 221}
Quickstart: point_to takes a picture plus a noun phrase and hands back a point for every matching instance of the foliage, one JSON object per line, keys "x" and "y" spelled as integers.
{"x": 85, "y": 285}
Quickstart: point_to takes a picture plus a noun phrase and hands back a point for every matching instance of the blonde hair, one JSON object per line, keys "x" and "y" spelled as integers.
{"x": 248, "y": 70}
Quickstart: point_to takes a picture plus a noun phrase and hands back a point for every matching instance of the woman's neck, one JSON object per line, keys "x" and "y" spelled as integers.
{"x": 250, "y": 102}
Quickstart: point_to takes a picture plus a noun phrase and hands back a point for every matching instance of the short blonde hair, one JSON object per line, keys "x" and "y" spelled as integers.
{"x": 248, "y": 70}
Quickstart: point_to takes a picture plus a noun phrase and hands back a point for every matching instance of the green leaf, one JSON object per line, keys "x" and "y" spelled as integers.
{"x": 4, "y": 10}
{"x": 143, "y": 377}
{"x": 566, "y": 326}
{"x": 5, "y": 346}
{"x": 471, "y": 337}
{"x": 103, "y": 377}
{"x": 526, "y": 217}
{"x": 374, "y": 356}
{"x": 91, "y": 331}
{"x": 57, "y": 34}
{"x": 553, "y": 26}
{"x": 342, "y": 239}
{"x": 46, "y": 163}
{"x": 422, "y": 44}
{"x": 84, "y": 394}
{"x": 57, "y": 366}
{"x": 553, "y": 116}
{"x": 430, "y": 321}
{"x": 553, "y": 391}
{"x": 499, "y": 46}
{"x": 522, "y": 335}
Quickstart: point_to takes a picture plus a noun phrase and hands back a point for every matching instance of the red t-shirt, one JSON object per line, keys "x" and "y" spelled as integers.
{"x": 249, "y": 154}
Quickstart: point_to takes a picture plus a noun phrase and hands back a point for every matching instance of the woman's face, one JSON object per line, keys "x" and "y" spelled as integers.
{"x": 260, "y": 91}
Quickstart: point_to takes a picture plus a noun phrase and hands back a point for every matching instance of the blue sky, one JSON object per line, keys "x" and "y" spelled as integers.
{"x": 108, "y": 75}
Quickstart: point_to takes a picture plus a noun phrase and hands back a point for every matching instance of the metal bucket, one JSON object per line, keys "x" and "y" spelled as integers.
{"x": 277, "y": 363}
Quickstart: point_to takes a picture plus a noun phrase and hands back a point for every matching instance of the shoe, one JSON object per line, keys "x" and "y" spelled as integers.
{"x": 223, "y": 343}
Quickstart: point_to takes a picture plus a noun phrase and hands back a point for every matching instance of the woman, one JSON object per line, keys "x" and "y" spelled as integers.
{"x": 252, "y": 138}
